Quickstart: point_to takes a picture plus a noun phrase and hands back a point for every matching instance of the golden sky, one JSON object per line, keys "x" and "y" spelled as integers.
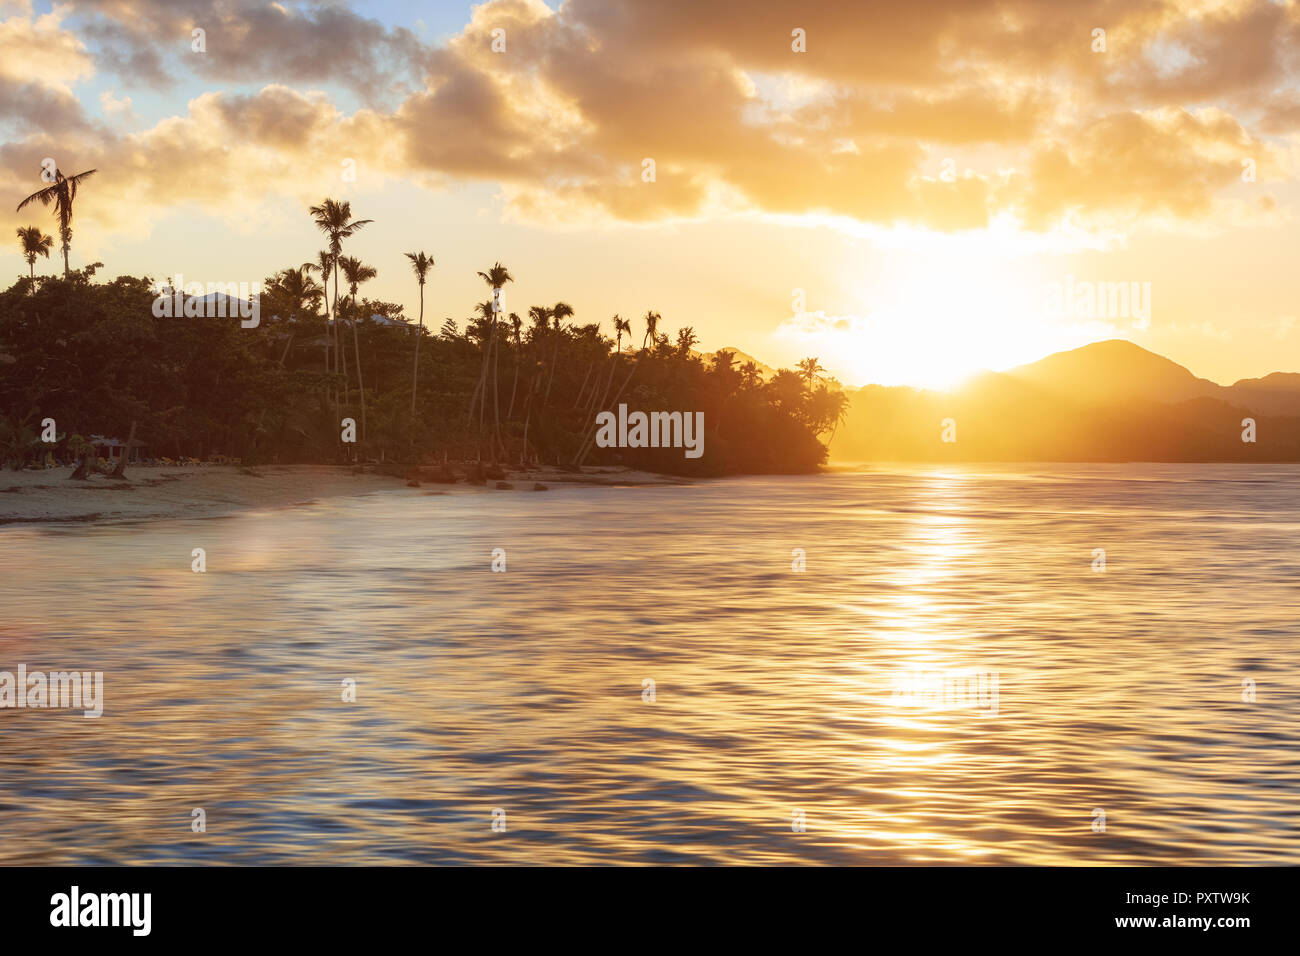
{"x": 906, "y": 198}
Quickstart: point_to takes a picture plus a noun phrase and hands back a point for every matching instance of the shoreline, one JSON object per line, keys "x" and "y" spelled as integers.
{"x": 33, "y": 497}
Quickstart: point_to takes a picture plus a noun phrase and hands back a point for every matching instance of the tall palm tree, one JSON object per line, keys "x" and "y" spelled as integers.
{"x": 355, "y": 272}
{"x": 34, "y": 243}
{"x": 516, "y": 324}
{"x": 496, "y": 278}
{"x": 324, "y": 264}
{"x": 334, "y": 219}
{"x": 421, "y": 264}
{"x": 541, "y": 319}
{"x": 61, "y": 193}
{"x": 482, "y": 329}
{"x": 559, "y": 312}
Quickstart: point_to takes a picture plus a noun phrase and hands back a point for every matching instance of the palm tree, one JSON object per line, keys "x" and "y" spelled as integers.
{"x": 621, "y": 325}
{"x": 809, "y": 369}
{"x": 61, "y": 194}
{"x": 541, "y": 319}
{"x": 298, "y": 289}
{"x": 334, "y": 218}
{"x": 516, "y": 324}
{"x": 558, "y": 312}
{"x": 651, "y": 326}
{"x": 421, "y": 264}
{"x": 356, "y": 273}
{"x": 482, "y": 330}
{"x": 324, "y": 264}
{"x": 34, "y": 243}
{"x": 496, "y": 278}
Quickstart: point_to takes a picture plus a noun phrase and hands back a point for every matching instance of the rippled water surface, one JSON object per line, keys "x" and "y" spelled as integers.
{"x": 775, "y": 691}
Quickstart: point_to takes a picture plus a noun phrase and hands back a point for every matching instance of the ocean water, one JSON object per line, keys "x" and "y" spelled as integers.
{"x": 791, "y": 718}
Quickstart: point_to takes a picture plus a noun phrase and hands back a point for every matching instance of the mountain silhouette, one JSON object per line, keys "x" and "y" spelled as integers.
{"x": 1114, "y": 370}
{"x": 1108, "y": 401}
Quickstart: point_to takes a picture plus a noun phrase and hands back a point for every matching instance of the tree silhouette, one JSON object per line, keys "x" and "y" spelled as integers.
{"x": 420, "y": 264}
{"x": 356, "y": 273}
{"x": 810, "y": 369}
{"x": 61, "y": 195}
{"x": 334, "y": 219}
{"x": 34, "y": 243}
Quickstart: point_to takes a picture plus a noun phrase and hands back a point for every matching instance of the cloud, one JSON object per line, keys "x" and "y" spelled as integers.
{"x": 1039, "y": 127}
{"x": 150, "y": 41}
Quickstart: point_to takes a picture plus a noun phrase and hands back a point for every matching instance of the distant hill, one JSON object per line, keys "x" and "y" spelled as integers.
{"x": 1115, "y": 370}
{"x": 1108, "y": 401}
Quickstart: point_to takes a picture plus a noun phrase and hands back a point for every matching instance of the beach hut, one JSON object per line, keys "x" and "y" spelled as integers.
{"x": 111, "y": 449}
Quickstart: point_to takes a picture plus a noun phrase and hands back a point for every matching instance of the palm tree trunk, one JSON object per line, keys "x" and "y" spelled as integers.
{"x": 496, "y": 389}
{"x": 327, "y": 328}
{"x": 361, "y": 387}
{"x": 583, "y": 388}
{"x": 511, "y": 410}
{"x": 613, "y": 366}
{"x": 120, "y": 470}
{"x": 555, "y": 359}
{"x": 528, "y": 417}
{"x": 415, "y": 374}
{"x": 480, "y": 390}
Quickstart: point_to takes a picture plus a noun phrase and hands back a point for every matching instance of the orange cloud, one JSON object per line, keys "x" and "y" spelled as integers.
{"x": 1052, "y": 130}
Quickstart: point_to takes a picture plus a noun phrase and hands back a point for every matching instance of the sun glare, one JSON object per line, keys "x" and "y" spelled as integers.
{"x": 933, "y": 321}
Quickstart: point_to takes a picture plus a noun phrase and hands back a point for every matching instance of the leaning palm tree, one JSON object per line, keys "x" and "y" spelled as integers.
{"x": 334, "y": 218}
{"x": 61, "y": 193}
{"x": 355, "y": 272}
{"x": 34, "y": 243}
{"x": 421, "y": 264}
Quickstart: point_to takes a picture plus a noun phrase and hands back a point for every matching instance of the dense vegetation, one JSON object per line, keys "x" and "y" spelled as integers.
{"x": 494, "y": 387}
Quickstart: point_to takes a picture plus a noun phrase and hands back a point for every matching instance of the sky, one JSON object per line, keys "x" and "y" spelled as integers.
{"x": 909, "y": 192}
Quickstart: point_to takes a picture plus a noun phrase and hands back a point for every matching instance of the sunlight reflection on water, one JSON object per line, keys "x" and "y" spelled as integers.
{"x": 775, "y": 690}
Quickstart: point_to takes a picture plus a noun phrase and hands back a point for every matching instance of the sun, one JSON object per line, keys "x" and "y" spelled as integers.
{"x": 936, "y": 319}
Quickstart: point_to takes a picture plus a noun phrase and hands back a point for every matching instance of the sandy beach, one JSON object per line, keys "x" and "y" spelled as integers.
{"x": 211, "y": 490}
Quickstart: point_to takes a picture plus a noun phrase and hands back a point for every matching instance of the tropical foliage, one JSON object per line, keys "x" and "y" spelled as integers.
{"x": 92, "y": 355}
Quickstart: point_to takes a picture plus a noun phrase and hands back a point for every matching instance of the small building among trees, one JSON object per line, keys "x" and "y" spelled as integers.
{"x": 111, "y": 449}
